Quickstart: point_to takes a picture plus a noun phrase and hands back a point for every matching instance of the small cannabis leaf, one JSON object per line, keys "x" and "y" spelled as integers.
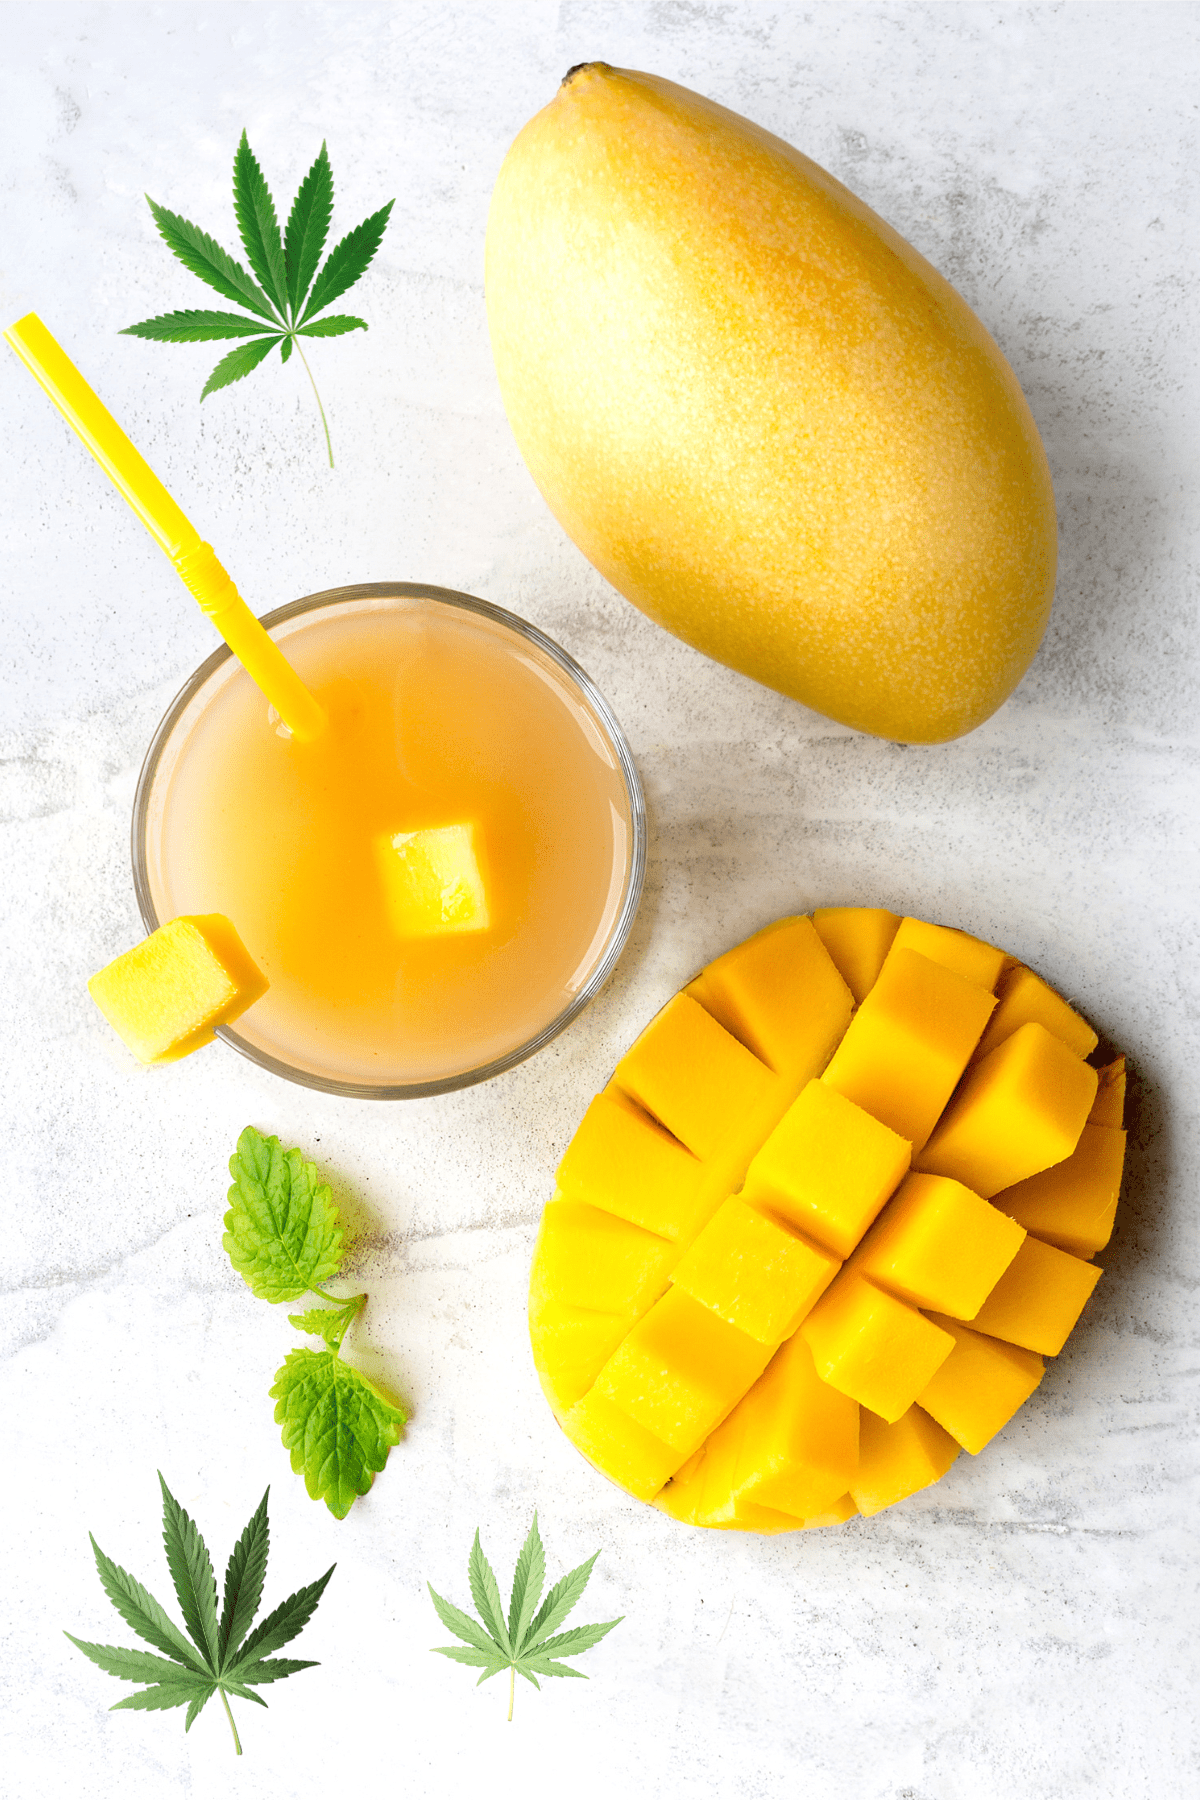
{"x": 220, "y": 1658}
{"x": 285, "y": 297}
{"x": 284, "y": 1239}
{"x": 523, "y": 1643}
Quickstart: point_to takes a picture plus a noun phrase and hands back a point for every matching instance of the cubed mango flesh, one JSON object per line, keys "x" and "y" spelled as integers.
{"x": 716, "y": 1185}
{"x": 968, "y": 956}
{"x": 680, "y": 1370}
{"x": 1024, "y": 999}
{"x": 937, "y": 1244}
{"x": 909, "y": 1042}
{"x": 1037, "y": 1301}
{"x": 754, "y": 1271}
{"x": 167, "y": 995}
{"x": 878, "y": 1350}
{"x": 781, "y": 996}
{"x": 898, "y": 1459}
{"x": 433, "y": 880}
{"x": 1108, "y": 1107}
{"x": 857, "y": 939}
{"x": 1019, "y": 1111}
{"x": 828, "y": 1168}
{"x": 979, "y": 1386}
{"x": 1073, "y": 1204}
{"x": 623, "y": 1162}
{"x": 689, "y": 1073}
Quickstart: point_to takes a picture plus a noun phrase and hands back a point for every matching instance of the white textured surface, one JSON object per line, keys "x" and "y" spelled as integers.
{"x": 1026, "y": 1628}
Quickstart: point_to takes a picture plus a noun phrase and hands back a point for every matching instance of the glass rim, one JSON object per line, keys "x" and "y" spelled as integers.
{"x": 635, "y": 872}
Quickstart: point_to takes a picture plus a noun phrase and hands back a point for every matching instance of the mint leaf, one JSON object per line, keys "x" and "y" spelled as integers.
{"x": 196, "y": 326}
{"x": 307, "y": 228}
{"x": 337, "y": 1425}
{"x": 192, "y": 1676}
{"x": 281, "y": 1230}
{"x": 521, "y": 1647}
{"x": 348, "y": 261}
{"x": 257, "y": 224}
{"x": 329, "y": 1322}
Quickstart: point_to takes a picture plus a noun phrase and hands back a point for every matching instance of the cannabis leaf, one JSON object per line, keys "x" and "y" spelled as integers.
{"x": 524, "y": 1643}
{"x": 285, "y": 268}
{"x": 220, "y": 1658}
{"x": 284, "y": 1239}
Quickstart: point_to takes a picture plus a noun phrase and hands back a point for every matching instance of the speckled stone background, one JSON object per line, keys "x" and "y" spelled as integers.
{"x": 1028, "y": 1627}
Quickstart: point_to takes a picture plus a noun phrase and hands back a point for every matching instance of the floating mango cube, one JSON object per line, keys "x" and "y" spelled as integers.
{"x": 680, "y": 1370}
{"x": 873, "y": 1347}
{"x": 968, "y": 956}
{"x": 693, "y": 1076}
{"x": 1026, "y": 999}
{"x": 857, "y": 939}
{"x": 828, "y": 1168}
{"x": 909, "y": 1042}
{"x": 781, "y": 996}
{"x": 1073, "y": 1204}
{"x": 621, "y": 1161}
{"x": 433, "y": 880}
{"x": 754, "y": 1272}
{"x": 899, "y": 1459}
{"x": 1037, "y": 1301}
{"x": 1020, "y": 1110}
{"x": 979, "y": 1386}
{"x": 722, "y": 1179}
{"x": 167, "y": 995}
{"x": 937, "y": 1244}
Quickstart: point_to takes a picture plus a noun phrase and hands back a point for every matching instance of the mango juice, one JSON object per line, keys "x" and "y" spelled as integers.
{"x": 439, "y": 715}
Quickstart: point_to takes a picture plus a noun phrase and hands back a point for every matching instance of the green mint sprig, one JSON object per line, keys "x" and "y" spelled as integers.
{"x": 285, "y": 298}
{"x": 524, "y": 1643}
{"x": 283, "y": 1237}
{"x": 217, "y": 1656}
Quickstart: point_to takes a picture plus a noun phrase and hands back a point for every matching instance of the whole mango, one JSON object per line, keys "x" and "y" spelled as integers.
{"x": 762, "y": 415}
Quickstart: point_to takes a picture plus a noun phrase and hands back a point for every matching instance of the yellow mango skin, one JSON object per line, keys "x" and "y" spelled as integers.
{"x": 762, "y": 415}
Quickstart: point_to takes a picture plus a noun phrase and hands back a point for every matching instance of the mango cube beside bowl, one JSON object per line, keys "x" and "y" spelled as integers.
{"x": 167, "y": 995}
{"x": 824, "y": 1224}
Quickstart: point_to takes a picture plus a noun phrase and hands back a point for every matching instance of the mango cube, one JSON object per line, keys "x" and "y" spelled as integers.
{"x": 620, "y": 1448}
{"x": 898, "y": 1459}
{"x": 590, "y": 1258}
{"x": 691, "y": 1075}
{"x": 1108, "y": 1107}
{"x": 857, "y": 939}
{"x": 827, "y": 1168}
{"x": 781, "y": 996}
{"x": 837, "y": 1514}
{"x": 979, "y": 1386}
{"x": 1037, "y": 1301}
{"x": 433, "y": 880}
{"x": 167, "y": 995}
{"x": 937, "y": 1244}
{"x": 1073, "y": 1204}
{"x": 909, "y": 1042}
{"x": 754, "y": 1272}
{"x": 680, "y": 1370}
{"x": 968, "y": 956}
{"x": 1026, "y": 999}
{"x": 873, "y": 1347}
{"x": 621, "y": 1161}
{"x": 1018, "y": 1111}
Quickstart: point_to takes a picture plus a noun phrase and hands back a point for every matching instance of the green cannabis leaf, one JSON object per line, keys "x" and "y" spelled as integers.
{"x": 220, "y": 1658}
{"x": 284, "y": 1239}
{"x": 288, "y": 291}
{"x": 524, "y": 1643}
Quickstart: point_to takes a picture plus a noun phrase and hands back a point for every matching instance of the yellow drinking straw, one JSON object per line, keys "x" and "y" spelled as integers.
{"x": 194, "y": 560}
